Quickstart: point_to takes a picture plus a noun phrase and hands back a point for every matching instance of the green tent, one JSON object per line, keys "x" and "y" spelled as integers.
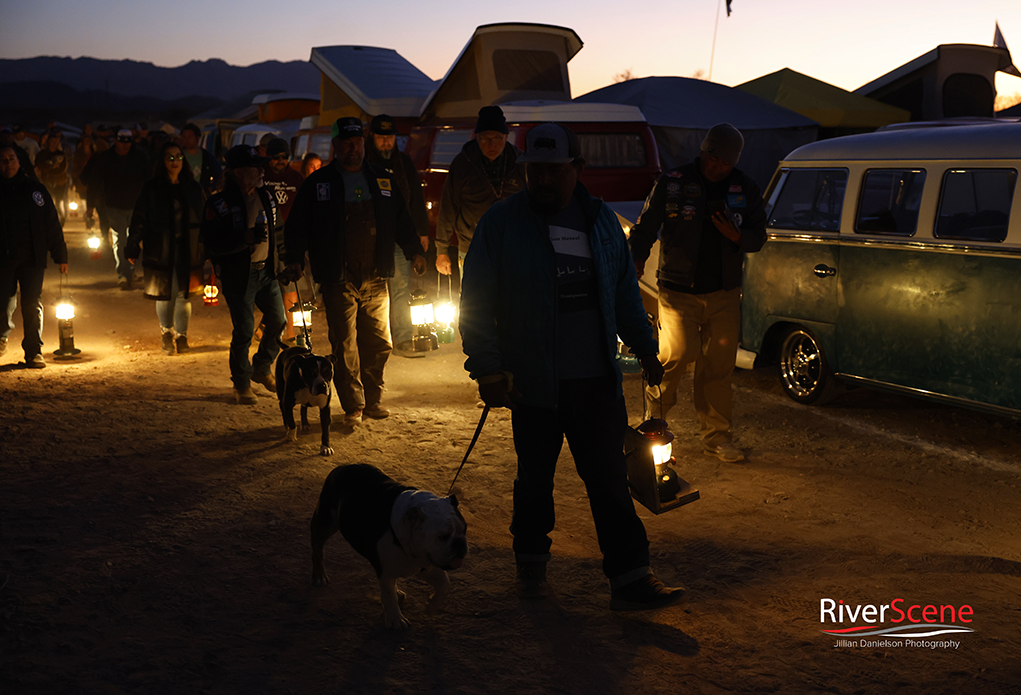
{"x": 830, "y": 106}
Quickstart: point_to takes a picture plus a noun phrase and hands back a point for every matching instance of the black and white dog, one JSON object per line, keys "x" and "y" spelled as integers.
{"x": 402, "y": 531}
{"x": 305, "y": 379}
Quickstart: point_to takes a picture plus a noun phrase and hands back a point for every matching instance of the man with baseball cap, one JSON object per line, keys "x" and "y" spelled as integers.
{"x": 114, "y": 179}
{"x": 548, "y": 286}
{"x": 381, "y": 151}
{"x": 239, "y": 231}
{"x": 485, "y": 171}
{"x": 711, "y": 214}
{"x": 348, "y": 216}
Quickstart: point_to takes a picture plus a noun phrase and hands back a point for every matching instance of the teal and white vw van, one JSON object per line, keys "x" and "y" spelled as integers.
{"x": 894, "y": 261}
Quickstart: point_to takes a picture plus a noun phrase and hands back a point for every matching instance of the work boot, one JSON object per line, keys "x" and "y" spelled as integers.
{"x": 182, "y": 344}
{"x": 36, "y": 361}
{"x": 266, "y": 380}
{"x": 245, "y": 396}
{"x": 724, "y": 450}
{"x": 645, "y": 594}
{"x": 376, "y": 411}
{"x": 124, "y": 283}
{"x": 353, "y": 418}
{"x": 531, "y": 580}
{"x": 168, "y": 342}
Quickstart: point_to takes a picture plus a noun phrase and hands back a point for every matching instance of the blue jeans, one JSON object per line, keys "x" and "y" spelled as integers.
{"x": 30, "y": 278}
{"x": 245, "y": 288}
{"x": 119, "y": 220}
{"x": 176, "y": 311}
{"x": 590, "y": 413}
{"x": 400, "y": 300}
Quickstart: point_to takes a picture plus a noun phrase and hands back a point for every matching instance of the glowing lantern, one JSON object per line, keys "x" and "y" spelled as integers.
{"x": 301, "y": 318}
{"x": 422, "y": 319}
{"x": 73, "y": 206}
{"x": 446, "y": 313}
{"x": 211, "y": 293}
{"x": 649, "y": 454}
{"x": 94, "y": 252}
{"x": 65, "y": 328}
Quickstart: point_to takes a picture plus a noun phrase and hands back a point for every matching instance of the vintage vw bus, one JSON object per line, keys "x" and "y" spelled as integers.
{"x": 894, "y": 261}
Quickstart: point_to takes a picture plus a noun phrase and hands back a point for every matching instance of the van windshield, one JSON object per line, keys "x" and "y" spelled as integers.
{"x": 809, "y": 200}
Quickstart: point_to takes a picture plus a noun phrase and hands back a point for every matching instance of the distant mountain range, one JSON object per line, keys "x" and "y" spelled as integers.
{"x": 79, "y": 90}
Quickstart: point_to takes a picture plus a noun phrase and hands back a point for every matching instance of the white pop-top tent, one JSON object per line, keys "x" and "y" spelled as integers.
{"x": 363, "y": 81}
{"x": 501, "y": 63}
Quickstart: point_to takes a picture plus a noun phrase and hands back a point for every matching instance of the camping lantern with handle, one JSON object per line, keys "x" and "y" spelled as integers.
{"x": 422, "y": 320}
{"x": 301, "y": 319}
{"x": 65, "y": 326}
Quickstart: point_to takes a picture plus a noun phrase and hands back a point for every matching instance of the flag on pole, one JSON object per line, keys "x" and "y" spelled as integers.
{"x": 998, "y": 42}
{"x": 728, "y": 14}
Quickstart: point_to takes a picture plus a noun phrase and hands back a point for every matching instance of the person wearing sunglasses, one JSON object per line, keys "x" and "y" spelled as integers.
{"x": 165, "y": 233}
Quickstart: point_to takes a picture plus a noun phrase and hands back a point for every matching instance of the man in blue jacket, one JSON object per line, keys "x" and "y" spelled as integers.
{"x": 548, "y": 285}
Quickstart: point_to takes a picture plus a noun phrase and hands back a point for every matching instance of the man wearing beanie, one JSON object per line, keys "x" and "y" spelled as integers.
{"x": 381, "y": 151}
{"x": 348, "y": 216}
{"x": 711, "y": 214}
{"x": 484, "y": 171}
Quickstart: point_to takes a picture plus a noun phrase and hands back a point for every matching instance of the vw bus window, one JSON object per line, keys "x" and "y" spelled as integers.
{"x": 889, "y": 202}
{"x": 809, "y": 200}
{"x": 446, "y": 145}
{"x": 974, "y": 204}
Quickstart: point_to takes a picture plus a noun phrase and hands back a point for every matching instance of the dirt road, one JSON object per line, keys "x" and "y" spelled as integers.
{"x": 154, "y": 538}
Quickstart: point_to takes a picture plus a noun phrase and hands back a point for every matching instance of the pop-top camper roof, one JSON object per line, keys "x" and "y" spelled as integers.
{"x": 363, "y": 81}
{"x": 504, "y": 62}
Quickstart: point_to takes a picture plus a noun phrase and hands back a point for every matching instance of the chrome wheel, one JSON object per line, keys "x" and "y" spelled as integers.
{"x": 803, "y": 370}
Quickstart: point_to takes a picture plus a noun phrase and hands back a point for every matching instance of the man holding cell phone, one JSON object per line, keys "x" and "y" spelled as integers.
{"x": 710, "y": 214}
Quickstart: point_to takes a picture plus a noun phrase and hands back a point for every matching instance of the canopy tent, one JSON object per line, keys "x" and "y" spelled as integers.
{"x": 681, "y": 111}
{"x": 500, "y": 63}
{"x": 364, "y": 81}
{"x": 950, "y": 81}
{"x": 829, "y": 106}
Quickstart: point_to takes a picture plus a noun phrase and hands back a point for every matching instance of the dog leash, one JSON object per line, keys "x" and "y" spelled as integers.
{"x": 304, "y": 326}
{"x": 478, "y": 431}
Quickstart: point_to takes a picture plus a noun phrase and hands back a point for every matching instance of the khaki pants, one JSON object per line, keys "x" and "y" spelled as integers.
{"x": 699, "y": 328}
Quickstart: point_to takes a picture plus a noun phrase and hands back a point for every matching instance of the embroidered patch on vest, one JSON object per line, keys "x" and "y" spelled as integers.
{"x": 38, "y": 198}
{"x": 384, "y": 184}
{"x": 323, "y": 191}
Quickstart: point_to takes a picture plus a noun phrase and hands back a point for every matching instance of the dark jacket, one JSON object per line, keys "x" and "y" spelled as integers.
{"x": 404, "y": 173}
{"x": 316, "y": 223}
{"x": 468, "y": 193}
{"x": 508, "y": 316}
{"x": 211, "y": 178}
{"x": 677, "y": 203}
{"x": 23, "y": 198}
{"x": 152, "y": 235}
{"x": 114, "y": 181}
{"x": 225, "y": 223}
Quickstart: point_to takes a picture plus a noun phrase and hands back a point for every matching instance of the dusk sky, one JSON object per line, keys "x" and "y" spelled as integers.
{"x": 845, "y": 43}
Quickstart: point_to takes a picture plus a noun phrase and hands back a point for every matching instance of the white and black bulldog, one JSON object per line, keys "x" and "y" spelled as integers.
{"x": 305, "y": 379}
{"x": 402, "y": 531}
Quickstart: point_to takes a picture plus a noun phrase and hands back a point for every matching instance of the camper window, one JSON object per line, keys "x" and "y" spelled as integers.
{"x": 604, "y": 150}
{"x": 522, "y": 69}
{"x": 447, "y": 145}
{"x": 322, "y": 145}
{"x": 889, "y": 202}
{"x": 809, "y": 200}
{"x": 975, "y": 204}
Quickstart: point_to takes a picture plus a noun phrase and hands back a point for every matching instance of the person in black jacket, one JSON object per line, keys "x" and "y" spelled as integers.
{"x": 29, "y": 228}
{"x": 114, "y": 179}
{"x": 485, "y": 171}
{"x": 711, "y": 215}
{"x": 165, "y": 232}
{"x": 205, "y": 169}
{"x": 238, "y": 230}
{"x": 347, "y": 216}
{"x": 381, "y": 150}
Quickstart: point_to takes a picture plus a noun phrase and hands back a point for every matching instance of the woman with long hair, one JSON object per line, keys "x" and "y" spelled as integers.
{"x": 165, "y": 232}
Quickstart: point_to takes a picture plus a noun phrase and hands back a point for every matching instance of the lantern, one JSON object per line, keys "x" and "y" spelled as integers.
{"x": 422, "y": 319}
{"x": 446, "y": 313}
{"x": 301, "y": 319}
{"x": 65, "y": 328}
{"x": 653, "y": 482}
{"x": 211, "y": 295}
{"x": 94, "y": 252}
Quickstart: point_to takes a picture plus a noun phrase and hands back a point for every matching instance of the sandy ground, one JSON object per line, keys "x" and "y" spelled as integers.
{"x": 154, "y": 537}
